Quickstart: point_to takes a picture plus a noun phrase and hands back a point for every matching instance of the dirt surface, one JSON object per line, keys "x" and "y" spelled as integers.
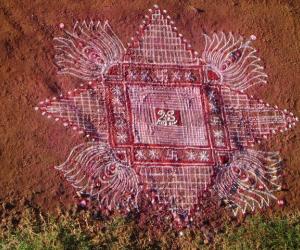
{"x": 31, "y": 145}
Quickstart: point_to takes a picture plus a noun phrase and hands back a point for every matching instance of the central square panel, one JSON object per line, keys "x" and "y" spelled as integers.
{"x": 171, "y": 116}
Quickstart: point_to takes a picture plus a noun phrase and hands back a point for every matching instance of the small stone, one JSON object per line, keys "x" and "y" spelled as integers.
{"x": 206, "y": 241}
{"x": 83, "y": 203}
{"x": 281, "y": 202}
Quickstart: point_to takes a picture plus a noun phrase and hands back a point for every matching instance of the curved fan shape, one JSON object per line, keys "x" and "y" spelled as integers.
{"x": 231, "y": 60}
{"x": 89, "y": 51}
{"x": 249, "y": 180}
{"x": 94, "y": 169}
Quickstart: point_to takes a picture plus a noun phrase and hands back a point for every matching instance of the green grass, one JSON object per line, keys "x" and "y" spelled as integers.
{"x": 81, "y": 232}
{"x": 263, "y": 233}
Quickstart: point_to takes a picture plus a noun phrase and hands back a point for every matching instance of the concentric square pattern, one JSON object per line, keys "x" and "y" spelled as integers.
{"x": 167, "y": 116}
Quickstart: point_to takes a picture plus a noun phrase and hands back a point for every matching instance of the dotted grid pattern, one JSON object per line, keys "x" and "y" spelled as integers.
{"x": 179, "y": 186}
{"x": 145, "y": 101}
{"x": 248, "y": 119}
{"x": 83, "y": 110}
{"x": 160, "y": 44}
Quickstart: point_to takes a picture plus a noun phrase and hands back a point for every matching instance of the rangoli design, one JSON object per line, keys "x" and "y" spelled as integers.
{"x": 162, "y": 119}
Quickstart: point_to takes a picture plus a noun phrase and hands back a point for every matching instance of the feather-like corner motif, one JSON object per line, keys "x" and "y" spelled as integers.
{"x": 94, "y": 169}
{"x": 249, "y": 180}
{"x": 89, "y": 51}
{"x": 231, "y": 60}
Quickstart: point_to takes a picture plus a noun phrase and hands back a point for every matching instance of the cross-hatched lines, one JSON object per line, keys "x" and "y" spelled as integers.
{"x": 249, "y": 119}
{"x": 185, "y": 101}
{"x": 181, "y": 186}
{"x": 84, "y": 110}
{"x": 161, "y": 44}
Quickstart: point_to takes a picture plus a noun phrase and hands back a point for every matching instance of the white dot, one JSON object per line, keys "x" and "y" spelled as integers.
{"x": 253, "y": 37}
{"x": 61, "y": 25}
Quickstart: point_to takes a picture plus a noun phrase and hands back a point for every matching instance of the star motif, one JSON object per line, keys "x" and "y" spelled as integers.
{"x": 117, "y": 91}
{"x": 121, "y": 124}
{"x": 145, "y": 75}
{"x": 122, "y": 137}
{"x": 153, "y": 154}
{"x": 140, "y": 155}
{"x": 203, "y": 156}
{"x": 188, "y": 76}
{"x": 219, "y": 143}
{"x": 211, "y": 95}
{"x": 213, "y": 107}
{"x": 176, "y": 76}
{"x": 191, "y": 155}
{"x": 117, "y": 101}
{"x": 132, "y": 75}
{"x": 218, "y": 134}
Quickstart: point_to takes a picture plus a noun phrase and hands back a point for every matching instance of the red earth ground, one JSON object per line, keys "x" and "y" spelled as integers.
{"x": 31, "y": 145}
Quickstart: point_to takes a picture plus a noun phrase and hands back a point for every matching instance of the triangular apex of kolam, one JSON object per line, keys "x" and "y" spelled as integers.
{"x": 79, "y": 110}
{"x": 250, "y": 120}
{"x": 158, "y": 42}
